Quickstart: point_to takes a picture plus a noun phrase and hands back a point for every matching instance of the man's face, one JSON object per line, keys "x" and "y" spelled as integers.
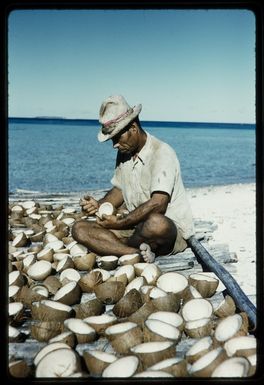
{"x": 126, "y": 141}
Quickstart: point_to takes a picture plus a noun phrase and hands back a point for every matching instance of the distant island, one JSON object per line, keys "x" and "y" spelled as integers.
{"x": 146, "y": 123}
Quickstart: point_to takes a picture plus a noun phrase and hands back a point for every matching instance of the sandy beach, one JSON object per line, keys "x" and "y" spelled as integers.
{"x": 232, "y": 209}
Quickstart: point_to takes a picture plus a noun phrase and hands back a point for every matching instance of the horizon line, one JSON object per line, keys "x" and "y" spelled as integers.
{"x": 60, "y": 118}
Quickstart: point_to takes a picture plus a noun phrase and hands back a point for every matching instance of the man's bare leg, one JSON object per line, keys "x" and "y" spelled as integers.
{"x": 99, "y": 240}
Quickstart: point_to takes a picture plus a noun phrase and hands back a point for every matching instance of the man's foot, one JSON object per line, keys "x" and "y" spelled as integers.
{"x": 146, "y": 253}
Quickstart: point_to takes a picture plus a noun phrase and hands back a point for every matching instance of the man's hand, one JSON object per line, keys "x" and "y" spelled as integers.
{"x": 89, "y": 205}
{"x": 108, "y": 222}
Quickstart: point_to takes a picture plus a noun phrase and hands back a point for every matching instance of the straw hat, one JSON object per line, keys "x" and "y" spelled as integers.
{"x": 114, "y": 115}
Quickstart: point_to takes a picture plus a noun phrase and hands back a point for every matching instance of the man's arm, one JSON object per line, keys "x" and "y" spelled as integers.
{"x": 156, "y": 204}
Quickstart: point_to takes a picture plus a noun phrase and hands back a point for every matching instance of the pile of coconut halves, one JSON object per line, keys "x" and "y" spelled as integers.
{"x": 113, "y": 317}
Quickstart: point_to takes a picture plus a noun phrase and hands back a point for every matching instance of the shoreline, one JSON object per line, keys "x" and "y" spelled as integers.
{"x": 230, "y": 209}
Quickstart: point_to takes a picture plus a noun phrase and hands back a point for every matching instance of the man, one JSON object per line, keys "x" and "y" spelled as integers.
{"x": 147, "y": 179}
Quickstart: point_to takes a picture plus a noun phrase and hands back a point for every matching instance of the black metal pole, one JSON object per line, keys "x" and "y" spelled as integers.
{"x": 208, "y": 262}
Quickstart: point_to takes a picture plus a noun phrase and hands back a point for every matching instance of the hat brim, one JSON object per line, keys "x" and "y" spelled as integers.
{"x": 104, "y": 137}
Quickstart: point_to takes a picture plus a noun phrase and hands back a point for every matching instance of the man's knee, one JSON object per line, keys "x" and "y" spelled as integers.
{"x": 159, "y": 224}
{"x": 79, "y": 228}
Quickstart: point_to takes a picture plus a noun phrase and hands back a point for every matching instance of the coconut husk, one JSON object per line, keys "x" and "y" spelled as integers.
{"x": 43, "y": 331}
{"x": 128, "y": 304}
{"x": 156, "y": 335}
{"x": 41, "y": 311}
{"x": 109, "y": 292}
{"x": 85, "y": 262}
{"x": 95, "y": 364}
{"x": 67, "y": 337}
{"x": 206, "y": 287}
{"x": 122, "y": 342}
{"x": 52, "y": 283}
{"x": 19, "y": 369}
{"x": 226, "y": 308}
{"x": 71, "y": 297}
{"x": 150, "y": 358}
{"x": 89, "y": 281}
{"x": 200, "y": 331}
{"x": 88, "y": 309}
{"x": 26, "y": 295}
{"x": 142, "y": 313}
{"x": 207, "y": 370}
{"x": 170, "y": 302}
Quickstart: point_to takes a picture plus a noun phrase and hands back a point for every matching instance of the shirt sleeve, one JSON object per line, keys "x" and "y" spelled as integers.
{"x": 165, "y": 170}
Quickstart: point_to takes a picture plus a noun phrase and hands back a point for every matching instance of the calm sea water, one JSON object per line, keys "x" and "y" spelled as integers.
{"x": 65, "y": 156}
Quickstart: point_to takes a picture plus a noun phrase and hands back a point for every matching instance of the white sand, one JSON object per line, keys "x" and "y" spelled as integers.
{"x": 232, "y": 208}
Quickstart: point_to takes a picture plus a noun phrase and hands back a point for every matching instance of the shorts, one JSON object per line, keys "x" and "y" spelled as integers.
{"x": 179, "y": 245}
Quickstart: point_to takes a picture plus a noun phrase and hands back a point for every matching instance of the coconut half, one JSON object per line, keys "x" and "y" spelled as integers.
{"x": 84, "y": 262}
{"x": 69, "y": 275}
{"x": 206, "y": 364}
{"x": 173, "y": 282}
{"x": 39, "y": 270}
{"x": 233, "y": 367}
{"x": 105, "y": 208}
{"x": 101, "y": 322}
{"x": 77, "y": 249}
{"x": 151, "y": 273}
{"x": 108, "y": 262}
{"x": 89, "y": 308}
{"x": 244, "y": 346}
{"x": 199, "y": 349}
{"x": 47, "y": 349}
{"x": 128, "y": 304}
{"x": 169, "y": 317}
{"x": 139, "y": 267}
{"x": 65, "y": 263}
{"x": 16, "y": 278}
{"x": 205, "y": 284}
{"x": 58, "y": 363}
{"x": 176, "y": 366}
{"x": 19, "y": 369}
{"x": 110, "y": 292}
{"x": 231, "y": 326}
{"x": 96, "y": 361}
{"x": 67, "y": 337}
{"x": 129, "y": 259}
{"x": 20, "y": 240}
{"x": 83, "y": 332}
{"x": 123, "y": 336}
{"x": 226, "y": 308}
{"x": 69, "y": 294}
{"x": 90, "y": 280}
{"x": 122, "y": 367}
{"x": 150, "y": 353}
{"x": 126, "y": 269}
{"x": 156, "y": 330}
{"x": 47, "y": 310}
{"x": 196, "y": 309}
{"x": 43, "y": 331}
{"x": 199, "y": 328}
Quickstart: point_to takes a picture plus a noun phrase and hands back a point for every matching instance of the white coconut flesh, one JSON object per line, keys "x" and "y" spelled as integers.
{"x": 151, "y": 273}
{"x": 48, "y": 224}
{"x": 240, "y": 343}
{"x": 163, "y": 329}
{"x": 205, "y": 360}
{"x": 103, "y": 356}
{"x": 60, "y": 256}
{"x": 232, "y": 367}
{"x": 70, "y": 274}
{"x": 136, "y": 283}
{"x": 126, "y": 269}
{"x": 252, "y": 359}
{"x": 54, "y": 305}
{"x": 122, "y": 327}
{"x": 197, "y": 308}
{"x": 166, "y": 363}
{"x": 100, "y": 319}
{"x": 55, "y": 245}
{"x": 68, "y": 221}
{"x": 127, "y": 258}
{"x": 194, "y": 292}
{"x": 61, "y": 337}
{"x": 39, "y": 270}
{"x": 17, "y": 208}
{"x": 29, "y": 260}
{"x": 122, "y": 367}
{"x": 139, "y": 267}
{"x": 18, "y": 239}
{"x": 69, "y": 210}
{"x": 14, "y": 308}
{"x": 35, "y": 216}
{"x": 78, "y": 249}
{"x": 203, "y": 277}
{"x": 105, "y": 208}
{"x": 50, "y": 238}
{"x": 13, "y": 290}
{"x": 172, "y": 282}
{"x": 169, "y": 317}
{"x": 42, "y": 290}
{"x": 228, "y": 327}
{"x": 105, "y": 274}
{"x": 28, "y": 204}
{"x": 58, "y": 363}
{"x": 64, "y": 290}
{"x": 199, "y": 346}
{"x": 13, "y": 276}
{"x": 78, "y": 326}
{"x": 157, "y": 293}
{"x": 49, "y": 348}
{"x": 71, "y": 244}
{"x": 62, "y": 263}
{"x": 153, "y": 373}
{"x": 197, "y": 323}
{"x": 152, "y": 347}
{"x": 146, "y": 288}
{"x": 108, "y": 258}
{"x": 44, "y": 253}
{"x": 13, "y": 332}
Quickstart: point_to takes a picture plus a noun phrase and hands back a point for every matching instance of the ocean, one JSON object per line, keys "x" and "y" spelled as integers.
{"x": 64, "y": 156}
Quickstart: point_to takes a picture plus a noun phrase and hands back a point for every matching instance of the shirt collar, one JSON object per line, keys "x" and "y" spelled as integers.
{"x": 142, "y": 155}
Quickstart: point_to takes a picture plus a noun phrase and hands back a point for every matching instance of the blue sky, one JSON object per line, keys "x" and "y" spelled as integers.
{"x": 182, "y": 65}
